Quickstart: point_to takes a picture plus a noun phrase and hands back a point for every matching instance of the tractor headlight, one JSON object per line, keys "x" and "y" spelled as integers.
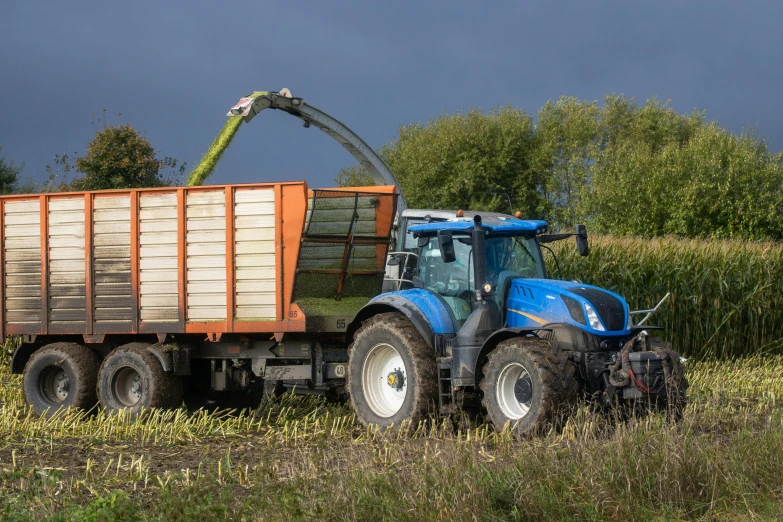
{"x": 629, "y": 323}
{"x": 592, "y": 317}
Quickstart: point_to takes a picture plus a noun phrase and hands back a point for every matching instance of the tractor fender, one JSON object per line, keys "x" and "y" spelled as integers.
{"x": 494, "y": 340}
{"x": 423, "y": 309}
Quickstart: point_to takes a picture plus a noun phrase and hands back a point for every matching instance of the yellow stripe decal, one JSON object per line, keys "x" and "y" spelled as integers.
{"x": 533, "y": 317}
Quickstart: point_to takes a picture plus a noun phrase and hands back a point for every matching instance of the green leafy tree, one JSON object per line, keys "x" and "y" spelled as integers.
{"x": 662, "y": 173}
{"x": 624, "y": 168}
{"x": 567, "y": 142}
{"x": 118, "y": 157}
{"x": 9, "y": 174}
{"x": 476, "y": 160}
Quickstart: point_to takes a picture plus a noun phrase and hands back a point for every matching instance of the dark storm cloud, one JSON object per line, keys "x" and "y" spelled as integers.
{"x": 173, "y": 69}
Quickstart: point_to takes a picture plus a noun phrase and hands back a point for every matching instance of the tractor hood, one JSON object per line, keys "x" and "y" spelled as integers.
{"x": 537, "y": 302}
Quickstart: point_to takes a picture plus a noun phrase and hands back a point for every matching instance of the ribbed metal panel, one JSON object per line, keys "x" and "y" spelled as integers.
{"x": 158, "y": 273}
{"x": 206, "y": 256}
{"x": 254, "y": 247}
{"x": 22, "y": 254}
{"x": 67, "y": 301}
{"x": 112, "y": 300}
{"x": 336, "y": 215}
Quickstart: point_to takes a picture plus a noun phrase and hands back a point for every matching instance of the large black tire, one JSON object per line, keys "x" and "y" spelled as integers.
{"x": 418, "y": 373}
{"x": 527, "y": 384}
{"x": 132, "y": 378}
{"x": 59, "y": 376}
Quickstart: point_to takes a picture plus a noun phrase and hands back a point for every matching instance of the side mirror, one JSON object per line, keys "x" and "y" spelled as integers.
{"x": 446, "y": 244}
{"x": 581, "y": 240}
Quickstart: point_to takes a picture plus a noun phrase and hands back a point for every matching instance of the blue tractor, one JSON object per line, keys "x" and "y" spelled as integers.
{"x": 476, "y": 317}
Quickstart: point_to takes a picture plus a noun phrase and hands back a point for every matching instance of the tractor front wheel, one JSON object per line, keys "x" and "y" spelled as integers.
{"x": 526, "y": 383}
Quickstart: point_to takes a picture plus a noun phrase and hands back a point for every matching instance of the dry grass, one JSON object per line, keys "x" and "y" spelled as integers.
{"x": 302, "y": 458}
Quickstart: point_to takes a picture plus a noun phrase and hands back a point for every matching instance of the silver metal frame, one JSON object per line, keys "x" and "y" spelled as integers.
{"x": 358, "y": 148}
{"x": 651, "y": 311}
{"x": 403, "y": 264}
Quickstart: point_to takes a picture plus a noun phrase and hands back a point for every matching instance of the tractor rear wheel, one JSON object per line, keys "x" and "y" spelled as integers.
{"x": 526, "y": 383}
{"x": 132, "y": 378}
{"x": 392, "y": 373}
{"x": 59, "y": 376}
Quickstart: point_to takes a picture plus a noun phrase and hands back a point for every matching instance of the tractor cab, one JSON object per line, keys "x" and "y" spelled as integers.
{"x": 449, "y": 264}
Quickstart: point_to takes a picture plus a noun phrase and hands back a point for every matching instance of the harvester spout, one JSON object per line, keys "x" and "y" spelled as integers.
{"x": 250, "y": 105}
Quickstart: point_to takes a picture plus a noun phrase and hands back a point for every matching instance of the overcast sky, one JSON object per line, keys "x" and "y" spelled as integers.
{"x": 173, "y": 69}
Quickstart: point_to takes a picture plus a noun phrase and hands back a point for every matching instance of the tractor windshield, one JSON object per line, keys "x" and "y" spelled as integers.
{"x": 512, "y": 256}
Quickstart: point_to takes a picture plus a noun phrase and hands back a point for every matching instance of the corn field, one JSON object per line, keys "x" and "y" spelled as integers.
{"x": 726, "y": 296}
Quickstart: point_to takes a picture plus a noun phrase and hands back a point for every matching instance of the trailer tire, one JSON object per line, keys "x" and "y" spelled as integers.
{"x": 59, "y": 376}
{"x": 132, "y": 378}
{"x": 392, "y": 373}
{"x": 527, "y": 383}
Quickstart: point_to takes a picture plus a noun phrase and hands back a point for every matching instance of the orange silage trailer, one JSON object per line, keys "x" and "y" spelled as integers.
{"x": 224, "y": 288}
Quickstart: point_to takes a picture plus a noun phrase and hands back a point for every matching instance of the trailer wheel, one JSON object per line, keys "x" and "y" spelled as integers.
{"x": 526, "y": 381}
{"x": 60, "y": 375}
{"x": 391, "y": 374}
{"x": 132, "y": 378}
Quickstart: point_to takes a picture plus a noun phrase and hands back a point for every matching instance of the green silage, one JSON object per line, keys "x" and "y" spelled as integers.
{"x": 215, "y": 151}
{"x": 321, "y": 306}
{"x": 221, "y": 143}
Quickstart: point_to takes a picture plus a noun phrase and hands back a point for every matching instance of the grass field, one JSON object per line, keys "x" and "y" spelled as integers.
{"x": 299, "y": 458}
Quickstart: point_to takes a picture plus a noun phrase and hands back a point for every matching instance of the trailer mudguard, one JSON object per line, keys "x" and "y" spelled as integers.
{"x": 424, "y": 309}
{"x": 21, "y": 355}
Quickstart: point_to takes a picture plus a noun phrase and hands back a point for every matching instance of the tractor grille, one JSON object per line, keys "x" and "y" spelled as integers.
{"x": 608, "y": 307}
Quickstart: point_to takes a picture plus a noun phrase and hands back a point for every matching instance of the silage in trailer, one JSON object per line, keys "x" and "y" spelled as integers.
{"x": 343, "y": 252}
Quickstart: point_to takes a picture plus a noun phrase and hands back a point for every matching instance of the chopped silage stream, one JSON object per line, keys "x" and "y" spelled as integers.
{"x": 207, "y": 164}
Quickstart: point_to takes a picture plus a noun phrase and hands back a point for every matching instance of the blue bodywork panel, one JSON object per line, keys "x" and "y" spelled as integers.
{"x": 538, "y": 302}
{"x": 430, "y": 305}
{"x": 496, "y": 226}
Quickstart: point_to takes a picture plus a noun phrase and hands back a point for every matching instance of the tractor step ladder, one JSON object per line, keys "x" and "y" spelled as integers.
{"x": 445, "y": 389}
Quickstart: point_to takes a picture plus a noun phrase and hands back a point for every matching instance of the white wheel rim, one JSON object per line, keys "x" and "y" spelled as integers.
{"x": 381, "y": 375}
{"x": 507, "y": 396}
